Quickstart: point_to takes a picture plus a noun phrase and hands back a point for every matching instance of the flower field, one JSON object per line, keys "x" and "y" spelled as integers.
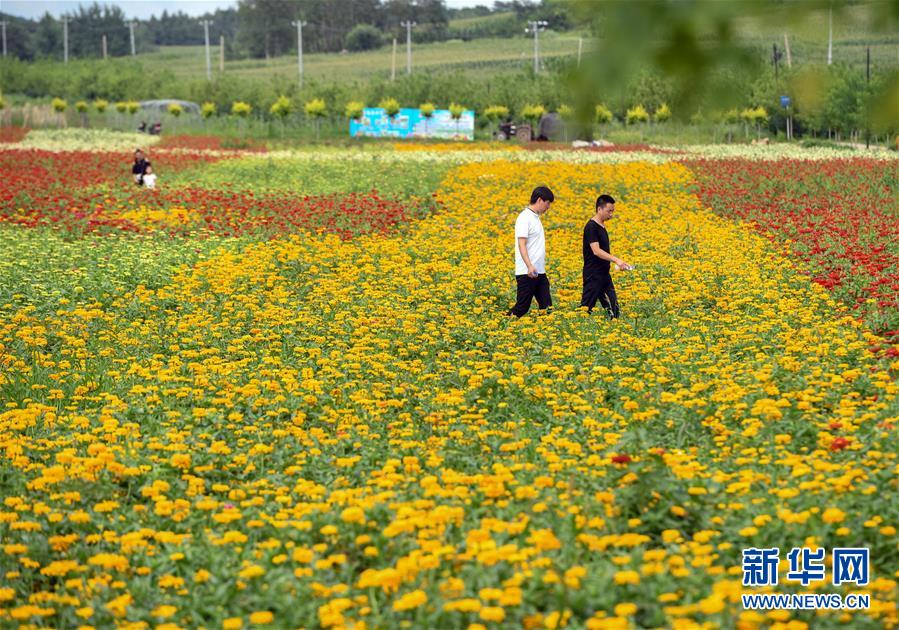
{"x": 279, "y": 390}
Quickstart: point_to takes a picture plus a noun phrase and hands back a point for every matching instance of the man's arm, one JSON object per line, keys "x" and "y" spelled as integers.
{"x": 604, "y": 255}
{"x": 523, "y": 249}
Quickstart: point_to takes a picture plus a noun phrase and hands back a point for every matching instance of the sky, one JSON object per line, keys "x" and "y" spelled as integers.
{"x": 143, "y": 9}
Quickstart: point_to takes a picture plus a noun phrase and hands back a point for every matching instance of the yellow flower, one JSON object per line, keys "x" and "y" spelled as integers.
{"x": 833, "y": 515}
{"x": 627, "y": 577}
{"x": 410, "y": 601}
{"x": 492, "y": 613}
{"x": 261, "y": 618}
{"x": 625, "y": 610}
{"x": 164, "y": 611}
{"x": 353, "y": 515}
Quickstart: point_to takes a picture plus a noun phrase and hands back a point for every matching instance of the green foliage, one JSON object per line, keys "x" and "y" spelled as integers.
{"x": 207, "y": 110}
{"x": 533, "y": 113}
{"x": 2, "y": 102}
{"x": 241, "y": 109}
{"x": 754, "y": 115}
{"x": 354, "y": 110}
{"x": 391, "y": 106}
{"x": 603, "y": 114}
{"x": 662, "y": 114}
{"x": 175, "y": 109}
{"x": 636, "y": 114}
{"x": 388, "y": 173}
{"x": 427, "y": 109}
{"x": 133, "y": 107}
{"x": 316, "y": 108}
{"x": 456, "y": 111}
{"x": 121, "y": 107}
{"x": 81, "y": 106}
{"x": 566, "y": 112}
{"x": 100, "y": 105}
{"x": 281, "y": 108}
{"x": 496, "y": 112}
{"x": 59, "y": 105}
{"x": 730, "y": 116}
{"x": 364, "y": 37}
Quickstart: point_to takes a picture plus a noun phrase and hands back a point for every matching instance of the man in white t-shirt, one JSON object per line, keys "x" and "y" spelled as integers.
{"x": 530, "y": 254}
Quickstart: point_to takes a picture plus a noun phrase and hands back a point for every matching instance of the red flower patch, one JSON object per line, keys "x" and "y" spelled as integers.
{"x": 209, "y": 143}
{"x": 13, "y": 134}
{"x": 93, "y": 192}
{"x": 837, "y": 217}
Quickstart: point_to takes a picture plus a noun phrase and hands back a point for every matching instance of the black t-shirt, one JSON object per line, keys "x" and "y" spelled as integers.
{"x": 595, "y": 233}
{"x": 140, "y": 166}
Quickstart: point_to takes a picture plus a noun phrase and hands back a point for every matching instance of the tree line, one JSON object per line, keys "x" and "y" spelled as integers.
{"x": 264, "y": 28}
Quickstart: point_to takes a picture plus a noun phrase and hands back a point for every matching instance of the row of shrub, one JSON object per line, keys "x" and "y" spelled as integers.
{"x": 284, "y": 107}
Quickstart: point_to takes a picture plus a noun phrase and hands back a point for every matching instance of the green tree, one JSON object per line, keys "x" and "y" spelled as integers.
{"x": 391, "y": 106}
{"x": 364, "y": 37}
{"x": 316, "y": 109}
{"x": 354, "y": 110}
{"x": 427, "y": 110}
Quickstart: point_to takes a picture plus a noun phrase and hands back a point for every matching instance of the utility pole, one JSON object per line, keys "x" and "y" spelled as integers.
{"x": 393, "y": 62}
{"x": 775, "y": 55}
{"x": 206, "y": 24}
{"x": 830, "y": 36}
{"x": 787, "y": 48}
{"x": 580, "y": 45}
{"x": 221, "y": 53}
{"x": 535, "y": 26}
{"x": 3, "y": 24}
{"x": 103, "y": 39}
{"x": 867, "y": 108}
{"x": 65, "y": 39}
{"x": 408, "y": 24}
{"x": 131, "y": 29}
{"x": 300, "y": 24}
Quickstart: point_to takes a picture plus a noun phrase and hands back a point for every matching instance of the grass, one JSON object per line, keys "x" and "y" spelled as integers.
{"x": 481, "y": 20}
{"x": 854, "y": 29}
{"x": 189, "y": 62}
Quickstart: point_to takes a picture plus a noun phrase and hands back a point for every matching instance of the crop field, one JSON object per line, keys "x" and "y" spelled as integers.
{"x": 279, "y": 390}
{"x": 190, "y": 61}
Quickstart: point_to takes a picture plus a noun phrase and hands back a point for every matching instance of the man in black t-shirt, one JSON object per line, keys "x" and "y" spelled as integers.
{"x": 139, "y": 168}
{"x": 598, "y": 259}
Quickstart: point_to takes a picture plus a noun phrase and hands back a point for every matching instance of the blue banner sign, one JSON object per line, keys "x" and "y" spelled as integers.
{"x": 409, "y": 123}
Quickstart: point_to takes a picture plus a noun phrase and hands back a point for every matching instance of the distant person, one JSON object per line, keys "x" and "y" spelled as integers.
{"x": 149, "y": 178}
{"x": 156, "y": 129}
{"x": 142, "y": 127}
{"x": 530, "y": 254}
{"x": 139, "y": 168}
{"x": 598, "y": 260}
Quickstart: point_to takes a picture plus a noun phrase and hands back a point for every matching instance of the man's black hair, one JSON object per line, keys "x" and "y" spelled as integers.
{"x": 603, "y": 200}
{"x": 542, "y": 192}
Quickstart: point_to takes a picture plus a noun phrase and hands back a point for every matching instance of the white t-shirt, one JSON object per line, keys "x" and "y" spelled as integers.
{"x": 528, "y": 225}
{"x": 150, "y": 180}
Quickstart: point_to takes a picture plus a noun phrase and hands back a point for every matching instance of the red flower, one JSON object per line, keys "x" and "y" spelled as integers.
{"x": 621, "y": 459}
{"x": 839, "y": 444}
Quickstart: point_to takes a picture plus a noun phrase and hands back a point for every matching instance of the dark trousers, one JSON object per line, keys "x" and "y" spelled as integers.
{"x": 528, "y": 289}
{"x": 598, "y": 286}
